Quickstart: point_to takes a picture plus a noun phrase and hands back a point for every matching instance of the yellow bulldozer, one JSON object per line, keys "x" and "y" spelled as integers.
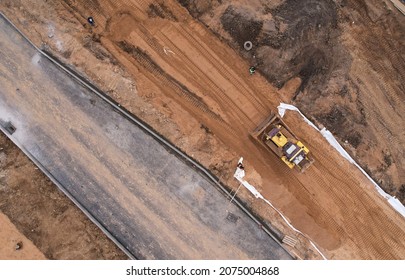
{"x": 275, "y": 135}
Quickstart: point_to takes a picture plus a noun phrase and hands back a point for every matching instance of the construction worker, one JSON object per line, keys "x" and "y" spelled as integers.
{"x": 91, "y": 21}
{"x": 252, "y": 70}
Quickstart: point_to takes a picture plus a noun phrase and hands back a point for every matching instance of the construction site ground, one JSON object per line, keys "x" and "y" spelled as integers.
{"x": 14, "y": 245}
{"x": 143, "y": 194}
{"x": 44, "y": 215}
{"x": 161, "y": 64}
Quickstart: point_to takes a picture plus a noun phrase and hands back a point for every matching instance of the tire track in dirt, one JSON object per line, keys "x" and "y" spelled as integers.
{"x": 154, "y": 44}
{"x": 354, "y": 202}
{"x": 380, "y": 68}
{"x": 224, "y": 70}
{"x": 375, "y": 237}
{"x": 383, "y": 124}
{"x": 230, "y": 107}
{"x": 383, "y": 61}
{"x": 361, "y": 235}
{"x": 167, "y": 81}
{"x": 252, "y": 87}
{"x": 217, "y": 94}
{"x": 393, "y": 54}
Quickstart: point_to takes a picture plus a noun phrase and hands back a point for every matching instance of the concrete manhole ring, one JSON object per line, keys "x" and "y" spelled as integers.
{"x": 248, "y": 45}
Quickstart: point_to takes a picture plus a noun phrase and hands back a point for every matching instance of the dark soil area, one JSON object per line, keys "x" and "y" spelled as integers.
{"x": 240, "y": 27}
{"x": 161, "y": 10}
{"x": 296, "y": 38}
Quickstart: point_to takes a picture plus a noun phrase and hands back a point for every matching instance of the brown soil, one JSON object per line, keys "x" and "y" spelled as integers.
{"x": 174, "y": 73}
{"x": 44, "y": 215}
{"x": 347, "y": 54}
{"x": 14, "y": 245}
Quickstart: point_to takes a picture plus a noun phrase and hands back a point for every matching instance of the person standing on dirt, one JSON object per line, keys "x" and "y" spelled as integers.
{"x": 252, "y": 70}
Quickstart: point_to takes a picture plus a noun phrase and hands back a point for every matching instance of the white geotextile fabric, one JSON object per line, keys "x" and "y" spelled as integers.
{"x": 394, "y": 202}
{"x": 239, "y": 174}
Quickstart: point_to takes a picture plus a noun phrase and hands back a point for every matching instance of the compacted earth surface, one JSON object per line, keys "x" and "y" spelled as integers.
{"x": 181, "y": 67}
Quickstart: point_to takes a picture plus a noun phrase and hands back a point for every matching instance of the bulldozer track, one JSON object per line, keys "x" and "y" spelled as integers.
{"x": 169, "y": 81}
{"x": 358, "y": 197}
{"x": 222, "y": 69}
{"x": 376, "y": 118}
{"x": 247, "y": 90}
{"x": 157, "y": 47}
{"x": 387, "y": 89}
{"x": 290, "y": 179}
{"x": 319, "y": 179}
{"x": 217, "y": 93}
{"x": 154, "y": 44}
{"x": 393, "y": 54}
{"x": 162, "y": 81}
{"x": 396, "y": 62}
{"x": 341, "y": 198}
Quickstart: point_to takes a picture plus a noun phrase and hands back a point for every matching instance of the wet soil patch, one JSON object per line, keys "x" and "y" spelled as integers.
{"x": 198, "y": 8}
{"x": 341, "y": 123}
{"x": 401, "y": 194}
{"x": 160, "y": 10}
{"x": 92, "y": 43}
{"x": 310, "y": 62}
{"x": 304, "y": 35}
{"x": 240, "y": 26}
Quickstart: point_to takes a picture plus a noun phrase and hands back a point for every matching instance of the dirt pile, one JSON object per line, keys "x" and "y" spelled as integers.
{"x": 347, "y": 55}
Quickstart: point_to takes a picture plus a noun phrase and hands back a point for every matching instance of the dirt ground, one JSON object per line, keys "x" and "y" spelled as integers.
{"x": 174, "y": 73}
{"x": 44, "y": 215}
{"x": 14, "y": 245}
{"x": 348, "y": 56}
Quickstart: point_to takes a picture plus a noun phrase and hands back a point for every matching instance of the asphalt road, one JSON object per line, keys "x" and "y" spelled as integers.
{"x": 146, "y": 197}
